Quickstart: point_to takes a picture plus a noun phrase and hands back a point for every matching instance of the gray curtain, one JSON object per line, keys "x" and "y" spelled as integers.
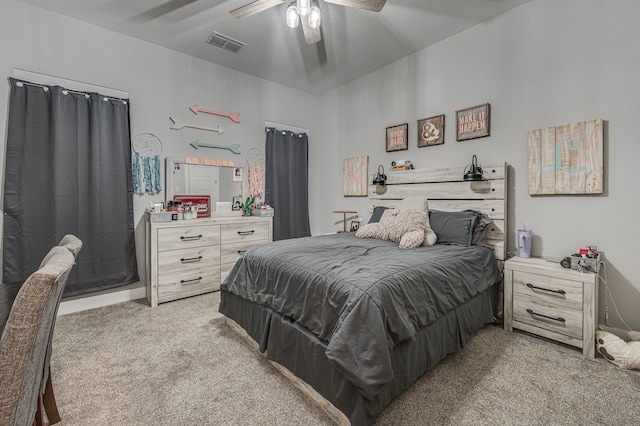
{"x": 68, "y": 171}
{"x": 287, "y": 182}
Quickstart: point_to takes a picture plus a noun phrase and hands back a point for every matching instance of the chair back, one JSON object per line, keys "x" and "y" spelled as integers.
{"x": 73, "y": 244}
{"x": 25, "y": 340}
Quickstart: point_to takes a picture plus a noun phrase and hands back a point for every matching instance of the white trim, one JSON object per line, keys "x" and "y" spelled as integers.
{"x": 50, "y": 80}
{"x": 101, "y": 300}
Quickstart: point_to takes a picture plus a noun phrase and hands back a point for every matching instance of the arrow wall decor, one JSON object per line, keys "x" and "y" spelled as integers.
{"x": 177, "y": 125}
{"x": 233, "y": 116}
{"x": 235, "y": 148}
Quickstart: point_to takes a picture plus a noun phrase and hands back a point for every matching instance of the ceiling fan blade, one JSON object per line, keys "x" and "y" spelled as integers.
{"x": 311, "y": 35}
{"x": 373, "y": 5}
{"x": 254, "y": 7}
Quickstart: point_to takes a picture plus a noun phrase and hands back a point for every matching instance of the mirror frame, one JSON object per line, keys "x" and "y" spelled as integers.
{"x": 168, "y": 179}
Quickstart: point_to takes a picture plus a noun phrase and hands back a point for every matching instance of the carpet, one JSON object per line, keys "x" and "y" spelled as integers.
{"x": 179, "y": 364}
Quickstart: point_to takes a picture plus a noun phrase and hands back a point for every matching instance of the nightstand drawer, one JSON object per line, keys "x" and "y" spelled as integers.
{"x": 548, "y": 316}
{"x": 548, "y": 289}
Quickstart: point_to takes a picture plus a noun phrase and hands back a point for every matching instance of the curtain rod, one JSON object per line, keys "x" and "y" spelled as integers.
{"x": 67, "y": 91}
{"x": 51, "y": 80}
{"x": 281, "y": 126}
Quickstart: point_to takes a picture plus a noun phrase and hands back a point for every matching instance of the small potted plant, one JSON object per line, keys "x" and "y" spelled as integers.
{"x": 246, "y": 207}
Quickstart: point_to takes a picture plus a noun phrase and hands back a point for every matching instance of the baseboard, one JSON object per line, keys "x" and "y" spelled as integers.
{"x": 100, "y": 300}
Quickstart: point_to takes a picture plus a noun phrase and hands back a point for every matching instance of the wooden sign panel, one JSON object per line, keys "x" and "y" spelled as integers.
{"x": 566, "y": 159}
{"x": 355, "y": 171}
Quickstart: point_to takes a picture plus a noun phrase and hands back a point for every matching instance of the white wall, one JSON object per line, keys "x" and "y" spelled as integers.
{"x": 545, "y": 63}
{"x": 542, "y": 64}
{"x": 161, "y": 83}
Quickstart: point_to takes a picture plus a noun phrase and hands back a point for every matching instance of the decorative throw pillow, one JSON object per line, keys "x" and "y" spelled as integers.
{"x": 421, "y": 204}
{"x": 453, "y": 227}
{"x": 377, "y": 214}
{"x": 405, "y": 227}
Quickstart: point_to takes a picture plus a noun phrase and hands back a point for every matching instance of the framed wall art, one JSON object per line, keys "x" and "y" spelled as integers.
{"x": 431, "y": 131}
{"x": 397, "y": 139}
{"x": 355, "y": 175}
{"x": 567, "y": 159}
{"x": 472, "y": 123}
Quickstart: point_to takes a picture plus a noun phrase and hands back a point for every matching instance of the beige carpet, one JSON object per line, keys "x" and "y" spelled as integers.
{"x": 179, "y": 364}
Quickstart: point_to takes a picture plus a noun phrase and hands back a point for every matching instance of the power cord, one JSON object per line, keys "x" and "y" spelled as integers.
{"x": 602, "y": 267}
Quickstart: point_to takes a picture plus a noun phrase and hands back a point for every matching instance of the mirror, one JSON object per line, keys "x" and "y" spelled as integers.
{"x": 221, "y": 183}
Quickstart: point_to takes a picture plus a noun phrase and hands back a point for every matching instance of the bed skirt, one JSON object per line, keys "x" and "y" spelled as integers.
{"x": 302, "y": 353}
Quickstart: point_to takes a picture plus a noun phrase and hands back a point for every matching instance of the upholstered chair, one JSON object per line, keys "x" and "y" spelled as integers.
{"x": 26, "y": 340}
{"x": 73, "y": 244}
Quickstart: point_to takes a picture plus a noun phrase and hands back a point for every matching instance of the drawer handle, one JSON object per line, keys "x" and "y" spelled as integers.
{"x": 246, "y": 232}
{"x": 192, "y": 281}
{"x": 241, "y": 252}
{"x": 533, "y": 287}
{"x": 559, "y": 319}
{"x": 191, "y": 259}
{"x": 190, "y": 237}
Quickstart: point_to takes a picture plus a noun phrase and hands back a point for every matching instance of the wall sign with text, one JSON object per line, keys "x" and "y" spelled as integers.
{"x": 472, "y": 123}
{"x": 397, "y": 139}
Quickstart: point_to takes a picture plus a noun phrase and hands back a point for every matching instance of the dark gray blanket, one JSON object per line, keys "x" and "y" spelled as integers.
{"x": 362, "y": 296}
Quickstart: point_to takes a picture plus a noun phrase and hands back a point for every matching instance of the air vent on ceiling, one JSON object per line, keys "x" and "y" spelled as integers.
{"x": 225, "y": 42}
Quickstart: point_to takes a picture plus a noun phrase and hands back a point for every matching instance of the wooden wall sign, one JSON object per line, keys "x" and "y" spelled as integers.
{"x": 566, "y": 159}
{"x": 397, "y": 139}
{"x": 355, "y": 173}
{"x": 474, "y": 122}
{"x": 431, "y": 131}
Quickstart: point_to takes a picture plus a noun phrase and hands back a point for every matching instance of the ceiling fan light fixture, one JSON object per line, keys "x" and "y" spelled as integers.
{"x": 314, "y": 16}
{"x": 304, "y": 7}
{"x": 292, "y": 16}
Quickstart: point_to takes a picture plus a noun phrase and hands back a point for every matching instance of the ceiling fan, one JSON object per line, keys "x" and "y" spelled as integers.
{"x": 310, "y": 26}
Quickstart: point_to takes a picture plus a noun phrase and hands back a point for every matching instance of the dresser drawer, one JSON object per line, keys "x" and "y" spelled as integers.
{"x": 548, "y": 289}
{"x": 239, "y": 232}
{"x": 230, "y": 253}
{"x": 189, "y": 259}
{"x": 188, "y": 237}
{"x": 188, "y": 283}
{"x": 555, "y": 318}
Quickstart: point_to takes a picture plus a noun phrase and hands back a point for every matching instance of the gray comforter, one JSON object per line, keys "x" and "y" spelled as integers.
{"x": 362, "y": 296}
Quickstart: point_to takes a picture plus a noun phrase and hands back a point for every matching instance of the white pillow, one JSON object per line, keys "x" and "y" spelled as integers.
{"x": 421, "y": 204}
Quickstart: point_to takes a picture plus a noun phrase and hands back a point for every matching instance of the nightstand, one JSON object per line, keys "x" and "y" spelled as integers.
{"x": 547, "y": 300}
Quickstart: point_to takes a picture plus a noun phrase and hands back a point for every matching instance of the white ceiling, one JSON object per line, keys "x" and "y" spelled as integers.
{"x": 354, "y": 42}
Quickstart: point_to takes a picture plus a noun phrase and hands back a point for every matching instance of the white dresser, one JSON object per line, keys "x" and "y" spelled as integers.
{"x": 189, "y": 257}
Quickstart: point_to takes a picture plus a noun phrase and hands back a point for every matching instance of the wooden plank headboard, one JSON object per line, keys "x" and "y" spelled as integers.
{"x": 446, "y": 191}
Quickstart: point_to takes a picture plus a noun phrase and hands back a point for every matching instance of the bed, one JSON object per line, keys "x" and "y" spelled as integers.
{"x": 352, "y": 322}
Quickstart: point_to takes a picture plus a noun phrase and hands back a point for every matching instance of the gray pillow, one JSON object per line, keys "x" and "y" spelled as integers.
{"x": 377, "y": 214}
{"x": 479, "y": 236}
{"x": 453, "y": 227}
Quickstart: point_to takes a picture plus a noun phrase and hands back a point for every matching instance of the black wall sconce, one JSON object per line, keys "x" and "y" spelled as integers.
{"x": 380, "y": 181}
{"x": 473, "y": 172}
